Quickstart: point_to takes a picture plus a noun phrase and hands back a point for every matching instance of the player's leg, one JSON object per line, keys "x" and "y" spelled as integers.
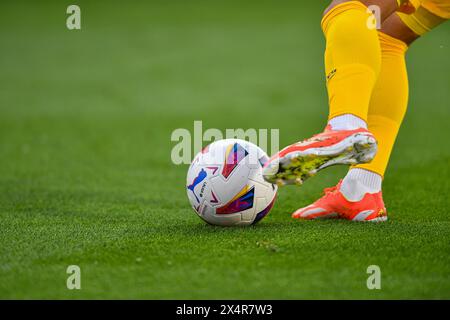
{"x": 390, "y": 96}
{"x": 358, "y": 196}
{"x": 386, "y": 111}
{"x": 352, "y": 64}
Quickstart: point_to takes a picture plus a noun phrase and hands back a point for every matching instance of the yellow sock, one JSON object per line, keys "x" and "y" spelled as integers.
{"x": 389, "y": 101}
{"x": 352, "y": 59}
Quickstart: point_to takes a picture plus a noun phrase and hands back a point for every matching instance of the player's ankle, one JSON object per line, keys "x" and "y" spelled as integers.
{"x": 347, "y": 122}
{"x": 358, "y": 182}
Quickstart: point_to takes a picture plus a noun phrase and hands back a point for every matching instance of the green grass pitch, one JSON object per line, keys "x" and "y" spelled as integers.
{"x": 86, "y": 177}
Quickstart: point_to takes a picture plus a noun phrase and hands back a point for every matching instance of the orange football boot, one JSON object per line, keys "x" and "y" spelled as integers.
{"x": 334, "y": 205}
{"x": 301, "y": 160}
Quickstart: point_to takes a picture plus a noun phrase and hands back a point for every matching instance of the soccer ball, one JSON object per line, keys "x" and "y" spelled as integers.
{"x": 225, "y": 185}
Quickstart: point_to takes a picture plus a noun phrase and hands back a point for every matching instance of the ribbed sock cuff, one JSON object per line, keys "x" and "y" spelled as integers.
{"x": 368, "y": 178}
{"x": 358, "y": 182}
{"x": 391, "y": 44}
{"x": 339, "y": 9}
{"x": 347, "y": 122}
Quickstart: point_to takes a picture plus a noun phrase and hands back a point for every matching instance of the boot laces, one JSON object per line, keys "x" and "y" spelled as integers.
{"x": 331, "y": 190}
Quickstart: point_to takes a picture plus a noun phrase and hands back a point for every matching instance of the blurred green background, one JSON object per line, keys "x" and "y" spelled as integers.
{"x": 86, "y": 176}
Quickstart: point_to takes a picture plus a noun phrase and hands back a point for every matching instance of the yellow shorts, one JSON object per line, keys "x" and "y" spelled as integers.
{"x": 428, "y": 15}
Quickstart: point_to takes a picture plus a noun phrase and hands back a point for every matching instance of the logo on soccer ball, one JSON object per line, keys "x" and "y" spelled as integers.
{"x": 197, "y": 180}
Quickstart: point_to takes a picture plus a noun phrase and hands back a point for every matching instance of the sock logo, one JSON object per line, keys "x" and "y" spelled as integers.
{"x": 331, "y": 74}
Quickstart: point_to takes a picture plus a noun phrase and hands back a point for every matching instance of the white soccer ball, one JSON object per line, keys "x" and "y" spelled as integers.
{"x": 225, "y": 185}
